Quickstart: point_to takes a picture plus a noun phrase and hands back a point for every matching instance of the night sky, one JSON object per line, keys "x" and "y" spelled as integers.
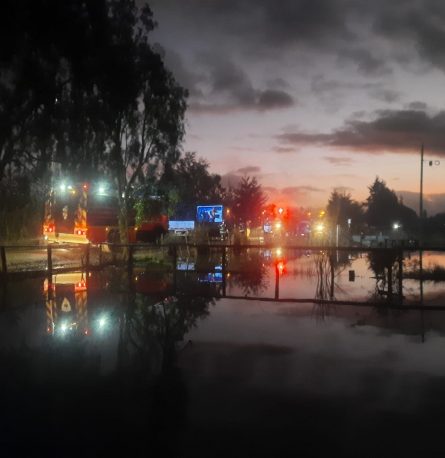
{"x": 313, "y": 95}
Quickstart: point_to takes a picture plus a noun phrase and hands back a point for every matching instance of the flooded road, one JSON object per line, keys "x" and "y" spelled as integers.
{"x": 252, "y": 355}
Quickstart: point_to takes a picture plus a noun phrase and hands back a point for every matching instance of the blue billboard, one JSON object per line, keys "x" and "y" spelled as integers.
{"x": 209, "y": 213}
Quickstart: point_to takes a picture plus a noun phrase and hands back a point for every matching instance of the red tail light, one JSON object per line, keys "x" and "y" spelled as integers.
{"x": 49, "y": 228}
{"x": 80, "y": 286}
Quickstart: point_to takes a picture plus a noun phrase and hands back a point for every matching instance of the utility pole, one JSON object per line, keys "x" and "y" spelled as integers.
{"x": 421, "y": 198}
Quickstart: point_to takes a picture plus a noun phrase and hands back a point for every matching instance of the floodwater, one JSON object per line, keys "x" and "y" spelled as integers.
{"x": 263, "y": 353}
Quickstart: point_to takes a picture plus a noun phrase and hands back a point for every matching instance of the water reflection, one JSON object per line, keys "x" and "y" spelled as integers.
{"x": 388, "y": 273}
{"x": 249, "y": 270}
{"x": 142, "y": 362}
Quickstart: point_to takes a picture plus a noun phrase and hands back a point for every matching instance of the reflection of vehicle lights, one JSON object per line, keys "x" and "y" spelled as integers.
{"x": 102, "y": 322}
{"x": 319, "y": 227}
{"x": 280, "y": 267}
{"x": 279, "y": 252}
{"x": 80, "y": 286}
{"x": 278, "y": 226}
{"x": 63, "y": 327}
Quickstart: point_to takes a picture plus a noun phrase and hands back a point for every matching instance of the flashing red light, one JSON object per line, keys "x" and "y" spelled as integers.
{"x": 280, "y": 267}
{"x": 80, "y": 286}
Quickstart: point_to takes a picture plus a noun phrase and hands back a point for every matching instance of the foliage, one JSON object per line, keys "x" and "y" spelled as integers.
{"x": 189, "y": 183}
{"x": 250, "y": 273}
{"x": 384, "y": 208}
{"x": 20, "y": 215}
{"x": 155, "y": 326}
{"x": 341, "y": 207}
{"x": 83, "y": 88}
{"x": 248, "y": 201}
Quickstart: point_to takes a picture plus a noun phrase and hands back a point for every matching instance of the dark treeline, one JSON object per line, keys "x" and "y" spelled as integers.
{"x": 382, "y": 211}
{"x": 85, "y": 95}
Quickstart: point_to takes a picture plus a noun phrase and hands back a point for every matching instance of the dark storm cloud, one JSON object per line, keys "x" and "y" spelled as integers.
{"x": 419, "y": 22}
{"x": 249, "y": 170}
{"x": 345, "y": 28}
{"x": 189, "y": 79}
{"x": 268, "y": 22}
{"x": 389, "y": 131}
{"x": 258, "y": 28}
{"x": 367, "y": 63}
{"x": 278, "y": 83}
{"x": 338, "y": 161}
{"x": 385, "y": 95}
{"x": 417, "y": 106}
{"x": 231, "y": 90}
{"x": 272, "y": 99}
{"x": 331, "y": 90}
{"x": 226, "y": 77}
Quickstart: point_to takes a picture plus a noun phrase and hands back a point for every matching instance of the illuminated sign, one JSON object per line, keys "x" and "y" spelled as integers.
{"x": 209, "y": 213}
{"x": 181, "y": 225}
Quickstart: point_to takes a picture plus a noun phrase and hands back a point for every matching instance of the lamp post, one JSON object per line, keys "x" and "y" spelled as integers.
{"x": 421, "y": 198}
{"x": 431, "y": 163}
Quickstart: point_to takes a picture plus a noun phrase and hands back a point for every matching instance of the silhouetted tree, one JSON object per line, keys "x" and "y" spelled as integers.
{"x": 384, "y": 208}
{"x": 84, "y": 88}
{"x": 248, "y": 200}
{"x": 188, "y": 182}
{"x": 341, "y": 207}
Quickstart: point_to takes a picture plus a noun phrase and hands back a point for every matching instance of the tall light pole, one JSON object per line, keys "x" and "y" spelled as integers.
{"x": 421, "y": 198}
{"x": 431, "y": 163}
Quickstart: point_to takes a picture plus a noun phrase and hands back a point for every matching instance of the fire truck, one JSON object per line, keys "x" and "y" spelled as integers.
{"x": 74, "y": 301}
{"x": 88, "y": 213}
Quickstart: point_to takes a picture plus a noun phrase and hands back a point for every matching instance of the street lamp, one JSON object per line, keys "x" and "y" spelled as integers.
{"x": 431, "y": 163}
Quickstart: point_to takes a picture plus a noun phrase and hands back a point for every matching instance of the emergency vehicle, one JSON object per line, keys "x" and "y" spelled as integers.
{"x": 88, "y": 213}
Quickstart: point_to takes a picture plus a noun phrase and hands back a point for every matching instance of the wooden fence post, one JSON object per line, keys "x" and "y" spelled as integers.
{"x": 50, "y": 261}
{"x": 175, "y": 262}
{"x": 130, "y": 257}
{"x": 87, "y": 257}
{"x": 4, "y": 264}
{"x": 277, "y": 282}
{"x": 224, "y": 268}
